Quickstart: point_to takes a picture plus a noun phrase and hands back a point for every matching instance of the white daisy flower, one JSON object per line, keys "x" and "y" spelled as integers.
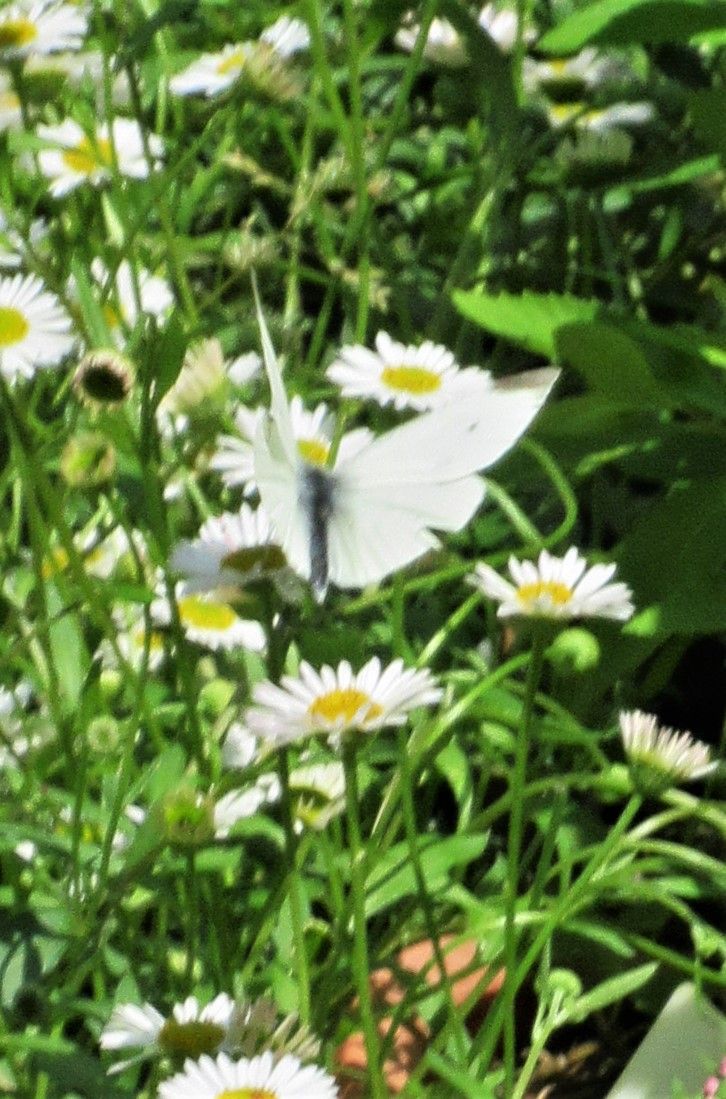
{"x": 213, "y": 73}
{"x": 660, "y": 756}
{"x": 79, "y": 158}
{"x": 501, "y": 26}
{"x": 556, "y": 587}
{"x": 603, "y": 120}
{"x": 11, "y": 115}
{"x": 444, "y": 45}
{"x": 208, "y": 620}
{"x": 189, "y": 1029}
{"x": 231, "y": 549}
{"x": 261, "y": 1077}
{"x": 337, "y": 700}
{"x": 32, "y": 28}
{"x": 241, "y": 804}
{"x": 408, "y": 377}
{"x": 35, "y": 331}
{"x": 286, "y": 36}
{"x": 121, "y": 309}
{"x": 588, "y": 69}
{"x": 313, "y": 431}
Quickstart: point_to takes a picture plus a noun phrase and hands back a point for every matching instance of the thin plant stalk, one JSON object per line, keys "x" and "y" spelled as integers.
{"x": 514, "y": 850}
{"x": 297, "y": 914}
{"x": 409, "y": 818}
{"x": 361, "y": 964}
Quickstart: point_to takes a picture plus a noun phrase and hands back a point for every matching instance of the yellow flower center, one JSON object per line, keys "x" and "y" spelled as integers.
{"x": 55, "y": 562}
{"x": 313, "y": 451}
{"x": 190, "y": 1039}
{"x": 254, "y": 559}
{"x": 563, "y": 112}
{"x": 231, "y": 64}
{"x": 558, "y": 65}
{"x": 344, "y": 704}
{"x": 203, "y": 615}
{"x": 411, "y": 379}
{"x": 13, "y": 326}
{"x": 156, "y": 641}
{"x": 248, "y": 1093}
{"x": 111, "y": 315}
{"x": 554, "y": 590}
{"x": 9, "y": 101}
{"x": 86, "y": 158}
{"x": 17, "y": 32}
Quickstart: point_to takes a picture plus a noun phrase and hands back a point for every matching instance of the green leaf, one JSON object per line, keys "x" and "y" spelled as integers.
{"x": 620, "y": 196}
{"x": 612, "y": 991}
{"x": 619, "y": 22}
{"x": 531, "y": 320}
{"x": 393, "y": 877}
{"x": 70, "y": 656}
{"x": 166, "y": 355}
{"x": 675, "y": 557}
{"x": 708, "y": 115}
{"x": 91, "y": 312}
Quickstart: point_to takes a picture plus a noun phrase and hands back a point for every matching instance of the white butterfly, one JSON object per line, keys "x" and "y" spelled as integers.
{"x": 374, "y": 511}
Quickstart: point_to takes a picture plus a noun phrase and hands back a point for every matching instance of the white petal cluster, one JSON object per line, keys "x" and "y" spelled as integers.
{"x": 231, "y": 549}
{"x": 671, "y": 756}
{"x": 337, "y": 700}
{"x": 209, "y": 620}
{"x": 216, "y": 1078}
{"x": 76, "y": 157}
{"x": 417, "y": 377}
{"x": 213, "y": 73}
{"x": 144, "y": 1029}
{"x": 35, "y": 330}
{"x": 28, "y": 29}
{"x": 556, "y": 587}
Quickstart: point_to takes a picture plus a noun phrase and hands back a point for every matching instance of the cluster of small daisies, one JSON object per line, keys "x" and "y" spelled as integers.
{"x": 219, "y": 1044}
{"x": 594, "y": 134}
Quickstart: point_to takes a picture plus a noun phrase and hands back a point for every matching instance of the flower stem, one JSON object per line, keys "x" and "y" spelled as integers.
{"x": 514, "y": 849}
{"x": 409, "y": 819}
{"x": 361, "y": 966}
{"x": 297, "y": 908}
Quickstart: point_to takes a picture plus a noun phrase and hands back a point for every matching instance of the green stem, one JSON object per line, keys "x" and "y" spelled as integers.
{"x": 361, "y": 965}
{"x": 409, "y": 819}
{"x": 568, "y": 903}
{"x": 297, "y": 911}
{"x": 514, "y": 849}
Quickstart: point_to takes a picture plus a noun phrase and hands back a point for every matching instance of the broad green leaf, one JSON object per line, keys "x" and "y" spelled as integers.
{"x": 393, "y": 877}
{"x": 708, "y": 114}
{"x": 619, "y": 22}
{"x": 531, "y": 320}
{"x": 675, "y": 557}
{"x": 70, "y": 656}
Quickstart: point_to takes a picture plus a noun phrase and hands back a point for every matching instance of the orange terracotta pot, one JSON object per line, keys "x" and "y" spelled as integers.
{"x": 410, "y": 1038}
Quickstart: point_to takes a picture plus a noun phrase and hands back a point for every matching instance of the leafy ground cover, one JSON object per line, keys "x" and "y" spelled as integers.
{"x": 291, "y": 722}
